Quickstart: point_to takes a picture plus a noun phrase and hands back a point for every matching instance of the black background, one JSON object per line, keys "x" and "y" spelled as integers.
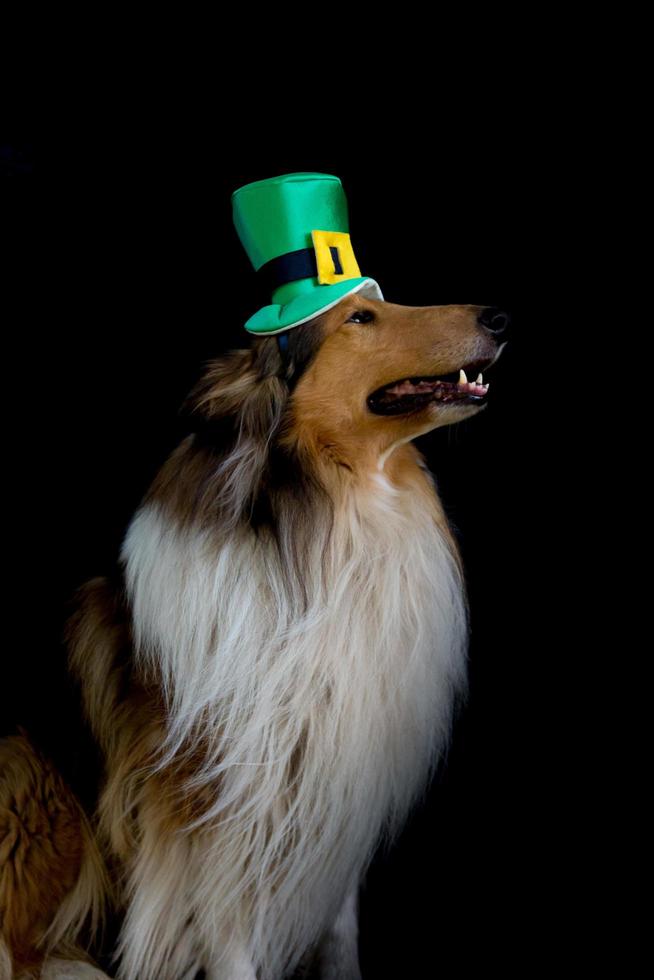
{"x": 16, "y": 157}
{"x": 123, "y": 288}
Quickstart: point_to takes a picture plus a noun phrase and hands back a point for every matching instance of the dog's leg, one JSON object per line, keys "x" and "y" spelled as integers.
{"x": 338, "y": 950}
{"x": 51, "y": 875}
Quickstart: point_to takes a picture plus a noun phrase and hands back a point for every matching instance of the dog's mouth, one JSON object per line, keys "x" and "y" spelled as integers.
{"x": 412, "y": 394}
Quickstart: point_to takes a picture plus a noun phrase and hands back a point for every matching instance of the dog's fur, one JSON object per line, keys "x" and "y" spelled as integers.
{"x": 271, "y": 682}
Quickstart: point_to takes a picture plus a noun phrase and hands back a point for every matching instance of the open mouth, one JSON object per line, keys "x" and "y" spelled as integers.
{"x": 412, "y": 394}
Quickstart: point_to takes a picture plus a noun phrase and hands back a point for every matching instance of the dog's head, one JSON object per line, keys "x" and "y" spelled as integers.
{"x": 354, "y": 382}
{"x": 365, "y": 372}
{"x": 372, "y": 371}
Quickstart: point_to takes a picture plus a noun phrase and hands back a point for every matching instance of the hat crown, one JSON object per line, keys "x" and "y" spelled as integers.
{"x": 276, "y": 216}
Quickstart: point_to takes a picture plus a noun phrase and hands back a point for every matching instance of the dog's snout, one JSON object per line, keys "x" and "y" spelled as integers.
{"x": 494, "y": 319}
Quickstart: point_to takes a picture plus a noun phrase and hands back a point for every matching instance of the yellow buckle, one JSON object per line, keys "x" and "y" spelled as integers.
{"x": 334, "y": 256}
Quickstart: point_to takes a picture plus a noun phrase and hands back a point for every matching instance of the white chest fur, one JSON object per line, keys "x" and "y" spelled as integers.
{"x": 320, "y": 729}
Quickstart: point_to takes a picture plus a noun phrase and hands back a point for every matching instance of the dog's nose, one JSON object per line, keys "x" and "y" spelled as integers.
{"x": 494, "y": 320}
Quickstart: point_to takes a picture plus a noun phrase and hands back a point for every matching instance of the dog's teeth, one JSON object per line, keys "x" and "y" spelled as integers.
{"x": 462, "y": 377}
{"x": 479, "y": 380}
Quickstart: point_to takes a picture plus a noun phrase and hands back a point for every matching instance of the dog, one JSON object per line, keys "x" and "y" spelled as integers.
{"x": 272, "y": 676}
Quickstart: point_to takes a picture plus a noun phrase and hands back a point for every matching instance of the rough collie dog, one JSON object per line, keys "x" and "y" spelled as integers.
{"x": 271, "y": 677}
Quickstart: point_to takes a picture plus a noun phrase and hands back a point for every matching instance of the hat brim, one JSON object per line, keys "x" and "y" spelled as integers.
{"x": 277, "y": 318}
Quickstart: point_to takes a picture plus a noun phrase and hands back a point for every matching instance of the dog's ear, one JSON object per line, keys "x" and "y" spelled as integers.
{"x": 234, "y": 414}
{"x": 237, "y": 397}
{"x": 246, "y": 390}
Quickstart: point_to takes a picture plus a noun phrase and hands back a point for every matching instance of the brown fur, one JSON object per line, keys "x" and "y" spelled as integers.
{"x": 41, "y": 848}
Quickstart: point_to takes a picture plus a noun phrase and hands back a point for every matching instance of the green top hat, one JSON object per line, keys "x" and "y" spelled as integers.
{"x": 295, "y": 231}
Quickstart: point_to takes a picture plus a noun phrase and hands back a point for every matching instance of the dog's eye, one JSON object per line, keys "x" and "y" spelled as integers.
{"x": 363, "y": 316}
